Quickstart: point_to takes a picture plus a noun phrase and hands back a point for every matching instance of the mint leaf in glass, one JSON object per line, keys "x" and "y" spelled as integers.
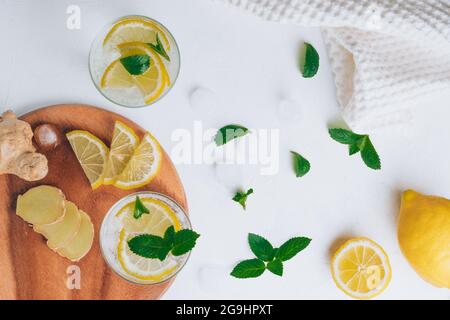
{"x": 136, "y": 64}
{"x": 149, "y": 246}
{"x": 241, "y": 197}
{"x": 139, "y": 208}
{"x": 309, "y": 61}
{"x": 183, "y": 242}
{"x": 228, "y": 133}
{"x": 252, "y": 268}
{"x": 261, "y": 247}
{"x": 159, "y": 48}
{"x": 301, "y": 164}
{"x": 291, "y": 248}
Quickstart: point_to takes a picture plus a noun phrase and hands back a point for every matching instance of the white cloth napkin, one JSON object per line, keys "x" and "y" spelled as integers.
{"x": 383, "y": 53}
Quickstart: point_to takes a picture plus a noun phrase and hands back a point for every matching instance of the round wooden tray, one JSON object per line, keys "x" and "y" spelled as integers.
{"x": 28, "y": 268}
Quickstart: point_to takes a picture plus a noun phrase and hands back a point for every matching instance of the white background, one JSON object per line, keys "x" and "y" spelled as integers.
{"x": 250, "y": 65}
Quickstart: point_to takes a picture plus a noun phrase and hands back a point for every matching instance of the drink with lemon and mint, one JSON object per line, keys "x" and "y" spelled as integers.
{"x": 134, "y": 61}
{"x": 135, "y": 232}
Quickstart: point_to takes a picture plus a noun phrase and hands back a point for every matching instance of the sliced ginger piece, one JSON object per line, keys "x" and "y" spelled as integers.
{"x": 59, "y": 233}
{"x": 41, "y": 205}
{"x": 80, "y": 245}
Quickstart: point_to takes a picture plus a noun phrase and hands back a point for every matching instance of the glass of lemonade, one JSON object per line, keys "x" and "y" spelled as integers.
{"x": 134, "y": 61}
{"x": 119, "y": 226}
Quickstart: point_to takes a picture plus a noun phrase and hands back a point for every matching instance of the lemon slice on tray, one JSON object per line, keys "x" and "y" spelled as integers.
{"x": 151, "y": 83}
{"x": 123, "y": 144}
{"x": 361, "y": 268}
{"x": 135, "y": 30}
{"x": 143, "y": 165}
{"x": 91, "y": 153}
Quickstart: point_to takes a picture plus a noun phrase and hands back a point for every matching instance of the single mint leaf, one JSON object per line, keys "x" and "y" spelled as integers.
{"x": 301, "y": 165}
{"x": 276, "y": 267}
{"x": 290, "y": 248}
{"x": 310, "y": 61}
{"x": 139, "y": 208}
{"x": 136, "y": 64}
{"x": 228, "y": 133}
{"x": 159, "y": 48}
{"x": 353, "y": 148}
{"x": 345, "y": 136}
{"x": 184, "y": 241}
{"x": 149, "y": 246}
{"x": 249, "y": 269}
{"x": 370, "y": 155}
{"x": 169, "y": 236}
{"x": 241, "y": 197}
{"x": 261, "y": 247}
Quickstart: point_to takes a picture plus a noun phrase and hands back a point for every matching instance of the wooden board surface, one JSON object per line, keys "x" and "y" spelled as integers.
{"x": 28, "y": 268}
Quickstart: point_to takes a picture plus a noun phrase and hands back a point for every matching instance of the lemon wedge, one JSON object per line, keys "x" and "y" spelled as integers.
{"x": 161, "y": 217}
{"x": 151, "y": 83}
{"x": 123, "y": 144}
{"x": 135, "y": 30}
{"x": 143, "y": 165}
{"x": 91, "y": 153}
{"x": 361, "y": 268}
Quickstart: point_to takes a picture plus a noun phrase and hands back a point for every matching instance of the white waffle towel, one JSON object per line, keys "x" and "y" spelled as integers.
{"x": 384, "y": 53}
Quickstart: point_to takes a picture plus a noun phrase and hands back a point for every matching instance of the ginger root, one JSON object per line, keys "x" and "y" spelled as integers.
{"x": 17, "y": 153}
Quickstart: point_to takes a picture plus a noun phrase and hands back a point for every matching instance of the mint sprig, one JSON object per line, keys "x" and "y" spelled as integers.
{"x": 228, "y": 133}
{"x": 159, "y": 48}
{"x": 241, "y": 197}
{"x": 268, "y": 257}
{"x": 358, "y": 143}
{"x": 154, "y": 247}
{"x": 139, "y": 208}
{"x": 136, "y": 64}
{"x": 309, "y": 64}
{"x": 301, "y": 164}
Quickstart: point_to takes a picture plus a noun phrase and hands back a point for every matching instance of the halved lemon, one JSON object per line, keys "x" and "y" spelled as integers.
{"x": 123, "y": 144}
{"x": 161, "y": 217}
{"x": 135, "y": 30}
{"x": 139, "y": 267}
{"x": 143, "y": 165}
{"x": 91, "y": 153}
{"x": 151, "y": 83}
{"x": 361, "y": 268}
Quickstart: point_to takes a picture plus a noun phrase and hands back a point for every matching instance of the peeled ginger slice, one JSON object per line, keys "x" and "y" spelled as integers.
{"x": 59, "y": 233}
{"x": 80, "y": 245}
{"x": 41, "y": 205}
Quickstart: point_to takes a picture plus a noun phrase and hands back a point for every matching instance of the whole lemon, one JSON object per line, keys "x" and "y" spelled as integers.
{"x": 424, "y": 236}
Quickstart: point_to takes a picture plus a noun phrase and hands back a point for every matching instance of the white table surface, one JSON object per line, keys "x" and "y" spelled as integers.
{"x": 250, "y": 65}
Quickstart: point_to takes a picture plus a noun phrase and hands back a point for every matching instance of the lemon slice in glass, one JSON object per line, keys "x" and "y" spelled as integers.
{"x": 143, "y": 165}
{"x": 151, "y": 83}
{"x": 139, "y": 267}
{"x": 91, "y": 153}
{"x": 135, "y": 29}
{"x": 156, "y": 222}
{"x": 361, "y": 268}
{"x": 123, "y": 144}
